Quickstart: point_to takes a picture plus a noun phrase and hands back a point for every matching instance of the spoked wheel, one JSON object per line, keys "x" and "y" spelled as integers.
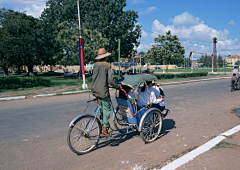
{"x": 238, "y": 86}
{"x": 79, "y": 134}
{"x": 119, "y": 122}
{"x": 151, "y": 126}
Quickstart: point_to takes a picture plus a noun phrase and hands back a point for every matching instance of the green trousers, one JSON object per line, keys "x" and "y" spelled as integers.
{"x": 106, "y": 110}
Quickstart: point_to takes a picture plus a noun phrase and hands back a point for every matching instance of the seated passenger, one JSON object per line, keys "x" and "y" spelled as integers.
{"x": 160, "y": 101}
{"x": 150, "y": 95}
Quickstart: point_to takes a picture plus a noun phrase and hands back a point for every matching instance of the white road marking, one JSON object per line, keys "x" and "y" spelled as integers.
{"x": 201, "y": 149}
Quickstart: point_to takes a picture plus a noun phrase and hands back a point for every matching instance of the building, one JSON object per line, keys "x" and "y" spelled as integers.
{"x": 230, "y": 61}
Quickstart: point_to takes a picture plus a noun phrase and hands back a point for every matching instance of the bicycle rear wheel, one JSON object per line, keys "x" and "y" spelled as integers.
{"x": 151, "y": 126}
{"x": 79, "y": 134}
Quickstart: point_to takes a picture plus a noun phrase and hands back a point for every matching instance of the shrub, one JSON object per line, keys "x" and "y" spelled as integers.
{"x": 181, "y": 75}
{"x": 23, "y": 82}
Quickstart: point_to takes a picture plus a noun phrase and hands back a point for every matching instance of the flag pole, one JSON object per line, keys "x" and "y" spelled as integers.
{"x": 81, "y": 45}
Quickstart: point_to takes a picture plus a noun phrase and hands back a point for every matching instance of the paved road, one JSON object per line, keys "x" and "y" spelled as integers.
{"x": 33, "y": 131}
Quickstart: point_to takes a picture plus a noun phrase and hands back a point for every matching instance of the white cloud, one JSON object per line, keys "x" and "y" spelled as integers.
{"x": 148, "y": 10}
{"x": 144, "y": 35}
{"x": 188, "y": 27}
{"x": 185, "y": 19}
{"x": 33, "y": 8}
{"x": 232, "y": 23}
{"x": 195, "y": 35}
{"x": 144, "y": 47}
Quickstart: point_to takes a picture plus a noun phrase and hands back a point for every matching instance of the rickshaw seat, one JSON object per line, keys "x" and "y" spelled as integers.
{"x": 127, "y": 110}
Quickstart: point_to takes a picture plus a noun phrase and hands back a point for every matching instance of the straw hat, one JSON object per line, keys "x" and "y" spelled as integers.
{"x": 102, "y": 53}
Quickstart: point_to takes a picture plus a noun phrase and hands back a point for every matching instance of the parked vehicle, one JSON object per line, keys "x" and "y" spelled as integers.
{"x": 116, "y": 72}
{"x": 87, "y": 73}
{"x": 49, "y": 73}
{"x": 19, "y": 71}
{"x": 68, "y": 74}
{"x": 133, "y": 71}
{"x": 148, "y": 71}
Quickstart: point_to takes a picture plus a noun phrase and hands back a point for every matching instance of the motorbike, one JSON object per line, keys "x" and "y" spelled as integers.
{"x": 235, "y": 83}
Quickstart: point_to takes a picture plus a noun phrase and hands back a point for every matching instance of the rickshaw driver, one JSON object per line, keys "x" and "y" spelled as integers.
{"x": 101, "y": 78}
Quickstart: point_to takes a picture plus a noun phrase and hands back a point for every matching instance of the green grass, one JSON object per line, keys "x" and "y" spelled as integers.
{"x": 226, "y": 145}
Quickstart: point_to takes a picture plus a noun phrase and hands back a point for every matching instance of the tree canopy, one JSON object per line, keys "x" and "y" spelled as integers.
{"x": 167, "y": 50}
{"x": 19, "y": 40}
{"x": 104, "y": 19}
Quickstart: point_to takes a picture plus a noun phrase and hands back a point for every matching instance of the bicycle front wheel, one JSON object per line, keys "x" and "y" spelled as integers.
{"x": 151, "y": 126}
{"x": 81, "y": 134}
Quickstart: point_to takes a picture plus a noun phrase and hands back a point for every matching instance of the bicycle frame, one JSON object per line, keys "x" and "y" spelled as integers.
{"x": 121, "y": 132}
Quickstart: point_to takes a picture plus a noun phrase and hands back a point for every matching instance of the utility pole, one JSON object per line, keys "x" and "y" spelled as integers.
{"x": 214, "y": 54}
{"x": 119, "y": 58}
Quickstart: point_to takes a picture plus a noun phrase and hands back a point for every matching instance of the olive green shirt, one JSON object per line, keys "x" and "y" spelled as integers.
{"x": 101, "y": 78}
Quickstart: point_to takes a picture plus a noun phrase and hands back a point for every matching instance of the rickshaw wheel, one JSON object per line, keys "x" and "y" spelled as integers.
{"x": 78, "y": 137}
{"x": 151, "y": 126}
{"x": 119, "y": 122}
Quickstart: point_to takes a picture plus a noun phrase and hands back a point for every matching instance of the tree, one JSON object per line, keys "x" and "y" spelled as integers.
{"x": 168, "y": 49}
{"x": 20, "y": 36}
{"x": 220, "y": 61}
{"x": 105, "y": 17}
{"x": 68, "y": 41}
{"x": 205, "y": 60}
{"x": 143, "y": 62}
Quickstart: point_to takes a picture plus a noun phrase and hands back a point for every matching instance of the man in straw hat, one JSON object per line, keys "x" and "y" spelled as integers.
{"x": 101, "y": 78}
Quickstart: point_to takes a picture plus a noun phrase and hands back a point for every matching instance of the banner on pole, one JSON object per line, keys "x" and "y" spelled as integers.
{"x": 81, "y": 57}
{"x": 210, "y": 58}
{"x": 190, "y": 55}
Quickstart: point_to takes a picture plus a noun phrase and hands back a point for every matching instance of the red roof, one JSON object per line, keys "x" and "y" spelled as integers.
{"x": 234, "y": 56}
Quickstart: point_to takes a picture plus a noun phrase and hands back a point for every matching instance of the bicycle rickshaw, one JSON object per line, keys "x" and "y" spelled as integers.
{"x": 84, "y": 130}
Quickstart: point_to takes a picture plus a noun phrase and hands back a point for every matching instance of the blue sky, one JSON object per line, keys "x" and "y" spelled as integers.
{"x": 194, "y": 22}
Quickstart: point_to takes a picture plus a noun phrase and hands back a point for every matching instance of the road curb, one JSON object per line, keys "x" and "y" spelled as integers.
{"x": 12, "y": 98}
{"x": 63, "y": 93}
{"x": 82, "y": 91}
{"x": 200, "y": 150}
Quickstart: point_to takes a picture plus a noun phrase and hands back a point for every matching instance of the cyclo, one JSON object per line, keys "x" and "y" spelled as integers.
{"x": 84, "y": 130}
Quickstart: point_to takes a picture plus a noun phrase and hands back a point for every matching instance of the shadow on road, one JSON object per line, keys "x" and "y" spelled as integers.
{"x": 168, "y": 124}
{"x": 117, "y": 141}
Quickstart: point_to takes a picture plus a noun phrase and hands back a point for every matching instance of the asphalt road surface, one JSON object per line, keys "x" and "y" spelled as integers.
{"x": 33, "y": 132}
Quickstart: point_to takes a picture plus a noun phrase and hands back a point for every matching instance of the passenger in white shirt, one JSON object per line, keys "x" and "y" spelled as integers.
{"x": 148, "y": 95}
